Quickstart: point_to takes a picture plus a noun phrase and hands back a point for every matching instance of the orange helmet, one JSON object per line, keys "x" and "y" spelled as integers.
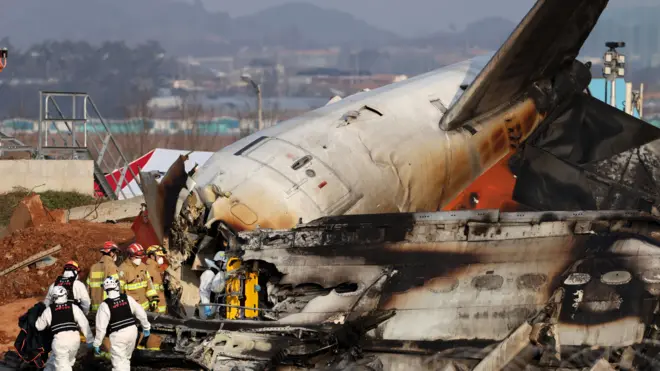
{"x": 108, "y": 247}
{"x": 72, "y": 265}
{"x": 135, "y": 249}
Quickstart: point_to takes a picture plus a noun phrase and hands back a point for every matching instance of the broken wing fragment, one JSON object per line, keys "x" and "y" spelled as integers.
{"x": 549, "y": 37}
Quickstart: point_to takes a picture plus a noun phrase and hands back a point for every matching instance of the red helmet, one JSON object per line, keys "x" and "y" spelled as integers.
{"x": 108, "y": 247}
{"x": 135, "y": 249}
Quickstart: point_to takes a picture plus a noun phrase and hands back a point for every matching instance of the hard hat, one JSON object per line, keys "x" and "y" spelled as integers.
{"x": 110, "y": 283}
{"x": 72, "y": 265}
{"x": 59, "y": 292}
{"x": 135, "y": 249}
{"x": 156, "y": 250}
{"x": 108, "y": 247}
{"x": 220, "y": 257}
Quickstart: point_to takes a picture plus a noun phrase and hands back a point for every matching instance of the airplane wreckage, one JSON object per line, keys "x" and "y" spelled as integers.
{"x": 359, "y": 238}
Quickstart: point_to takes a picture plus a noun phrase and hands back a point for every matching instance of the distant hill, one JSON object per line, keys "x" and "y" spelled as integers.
{"x": 172, "y": 23}
{"x": 181, "y": 27}
{"x": 307, "y": 23}
{"x": 487, "y": 33}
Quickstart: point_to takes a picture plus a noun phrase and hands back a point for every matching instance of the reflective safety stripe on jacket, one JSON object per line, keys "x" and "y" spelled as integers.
{"x": 136, "y": 282}
{"x": 97, "y": 274}
{"x": 157, "y": 281}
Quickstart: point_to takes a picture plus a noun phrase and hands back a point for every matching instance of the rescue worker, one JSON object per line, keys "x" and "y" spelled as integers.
{"x": 135, "y": 280}
{"x": 76, "y": 290}
{"x": 64, "y": 320}
{"x": 116, "y": 318}
{"x": 155, "y": 259}
{"x": 212, "y": 284}
{"x": 106, "y": 267}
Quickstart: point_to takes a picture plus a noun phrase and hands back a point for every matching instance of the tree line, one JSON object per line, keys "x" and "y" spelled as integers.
{"x": 114, "y": 74}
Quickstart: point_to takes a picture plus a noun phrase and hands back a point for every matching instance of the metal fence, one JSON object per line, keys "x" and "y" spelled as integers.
{"x": 216, "y": 126}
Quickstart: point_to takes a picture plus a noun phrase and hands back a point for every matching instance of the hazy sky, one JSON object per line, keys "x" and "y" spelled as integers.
{"x": 406, "y": 17}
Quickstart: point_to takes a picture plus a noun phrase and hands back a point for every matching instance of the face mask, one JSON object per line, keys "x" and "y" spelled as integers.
{"x": 159, "y": 260}
{"x": 137, "y": 261}
{"x": 61, "y": 300}
{"x": 113, "y": 294}
{"x": 68, "y": 274}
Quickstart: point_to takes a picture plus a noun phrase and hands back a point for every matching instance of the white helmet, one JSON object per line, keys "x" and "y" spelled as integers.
{"x": 59, "y": 295}
{"x": 219, "y": 257}
{"x": 110, "y": 284}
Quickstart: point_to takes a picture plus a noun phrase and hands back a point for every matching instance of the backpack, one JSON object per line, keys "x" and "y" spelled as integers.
{"x": 31, "y": 345}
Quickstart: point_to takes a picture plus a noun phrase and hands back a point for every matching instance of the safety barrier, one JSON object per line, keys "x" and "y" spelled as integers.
{"x": 217, "y": 126}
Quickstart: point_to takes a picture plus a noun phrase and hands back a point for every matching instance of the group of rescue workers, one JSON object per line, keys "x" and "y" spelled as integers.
{"x": 117, "y": 296}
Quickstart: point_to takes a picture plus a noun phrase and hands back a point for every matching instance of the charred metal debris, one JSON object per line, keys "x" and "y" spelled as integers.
{"x": 466, "y": 290}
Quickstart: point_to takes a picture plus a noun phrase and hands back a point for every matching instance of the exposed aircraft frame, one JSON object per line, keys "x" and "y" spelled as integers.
{"x": 368, "y": 285}
{"x": 578, "y": 289}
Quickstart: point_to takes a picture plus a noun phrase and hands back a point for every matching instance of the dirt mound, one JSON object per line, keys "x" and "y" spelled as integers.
{"x": 80, "y": 241}
{"x": 30, "y": 212}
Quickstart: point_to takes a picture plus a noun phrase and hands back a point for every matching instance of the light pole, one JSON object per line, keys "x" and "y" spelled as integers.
{"x": 613, "y": 66}
{"x": 257, "y": 88}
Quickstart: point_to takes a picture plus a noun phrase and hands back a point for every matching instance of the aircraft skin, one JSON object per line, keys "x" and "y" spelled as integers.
{"x": 417, "y": 146}
{"x": 391, "y": 156}
{"x": 407, "y": 147}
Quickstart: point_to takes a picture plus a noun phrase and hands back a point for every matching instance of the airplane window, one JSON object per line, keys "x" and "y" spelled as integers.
{"x": 252, "y": 144}
{"x": 488, "y": 282}
{"x": 531, "y": 281}
{"x": 576, "y": 279}
{"x": 437, "y": 103}
{"x": 371, "y": 109}
{"x": 301, "y": 162}
{"x": 616, "y": 278}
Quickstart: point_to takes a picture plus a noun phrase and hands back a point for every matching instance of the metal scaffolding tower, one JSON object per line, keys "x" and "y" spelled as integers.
{"x": 72, "y": 134}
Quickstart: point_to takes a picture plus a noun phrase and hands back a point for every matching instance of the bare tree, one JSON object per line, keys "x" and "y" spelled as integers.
{"x": 190, "y": 111}
{"x": 140, "y": 110}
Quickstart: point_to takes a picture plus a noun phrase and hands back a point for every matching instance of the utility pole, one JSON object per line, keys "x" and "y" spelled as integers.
{"x": 613, "y": 66}
{"x": 257, "y": 89}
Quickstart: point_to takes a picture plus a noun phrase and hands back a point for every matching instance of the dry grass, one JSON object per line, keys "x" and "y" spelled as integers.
{"x": 51, "y": 200}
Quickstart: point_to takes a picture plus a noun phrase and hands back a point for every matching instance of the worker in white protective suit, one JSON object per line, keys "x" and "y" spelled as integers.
{"x": 64, "y": 319}
{"x": 212, "y": 284}
{"x": 116, "y": 317}
{"x": 76, "y": 290}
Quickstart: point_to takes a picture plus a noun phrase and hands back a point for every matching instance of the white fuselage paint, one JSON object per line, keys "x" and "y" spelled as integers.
{"x": 396, "y": 162}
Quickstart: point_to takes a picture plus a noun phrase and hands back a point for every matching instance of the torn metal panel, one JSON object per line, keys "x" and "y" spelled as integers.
{"x": 602, "y": 365}
{"x": 507, "y": 350}
{"x": 469, "y": 282}
{"x": 545, "y": 40}
{"x": 161, "y": 197}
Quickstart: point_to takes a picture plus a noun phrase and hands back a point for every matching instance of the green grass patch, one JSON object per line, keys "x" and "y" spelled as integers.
{"x": 51, "y": 200}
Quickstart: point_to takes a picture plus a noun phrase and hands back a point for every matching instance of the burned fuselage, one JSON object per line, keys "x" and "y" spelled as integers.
{"x": 556, "y": 281}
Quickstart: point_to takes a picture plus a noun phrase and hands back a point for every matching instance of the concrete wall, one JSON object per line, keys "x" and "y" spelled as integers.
{"x": 110, "y": 210}
{"x": 45, "y": 175}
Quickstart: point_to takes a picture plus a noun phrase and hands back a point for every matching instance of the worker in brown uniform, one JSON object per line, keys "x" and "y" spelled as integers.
{"x": 106, "y": 267}
{"x": 135, "y": 280}
{"x": 155, "y": 259}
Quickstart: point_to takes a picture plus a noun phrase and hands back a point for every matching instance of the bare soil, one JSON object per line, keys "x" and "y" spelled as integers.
{"x": 9, "y": 321}
{"x": 80, "y": 241}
